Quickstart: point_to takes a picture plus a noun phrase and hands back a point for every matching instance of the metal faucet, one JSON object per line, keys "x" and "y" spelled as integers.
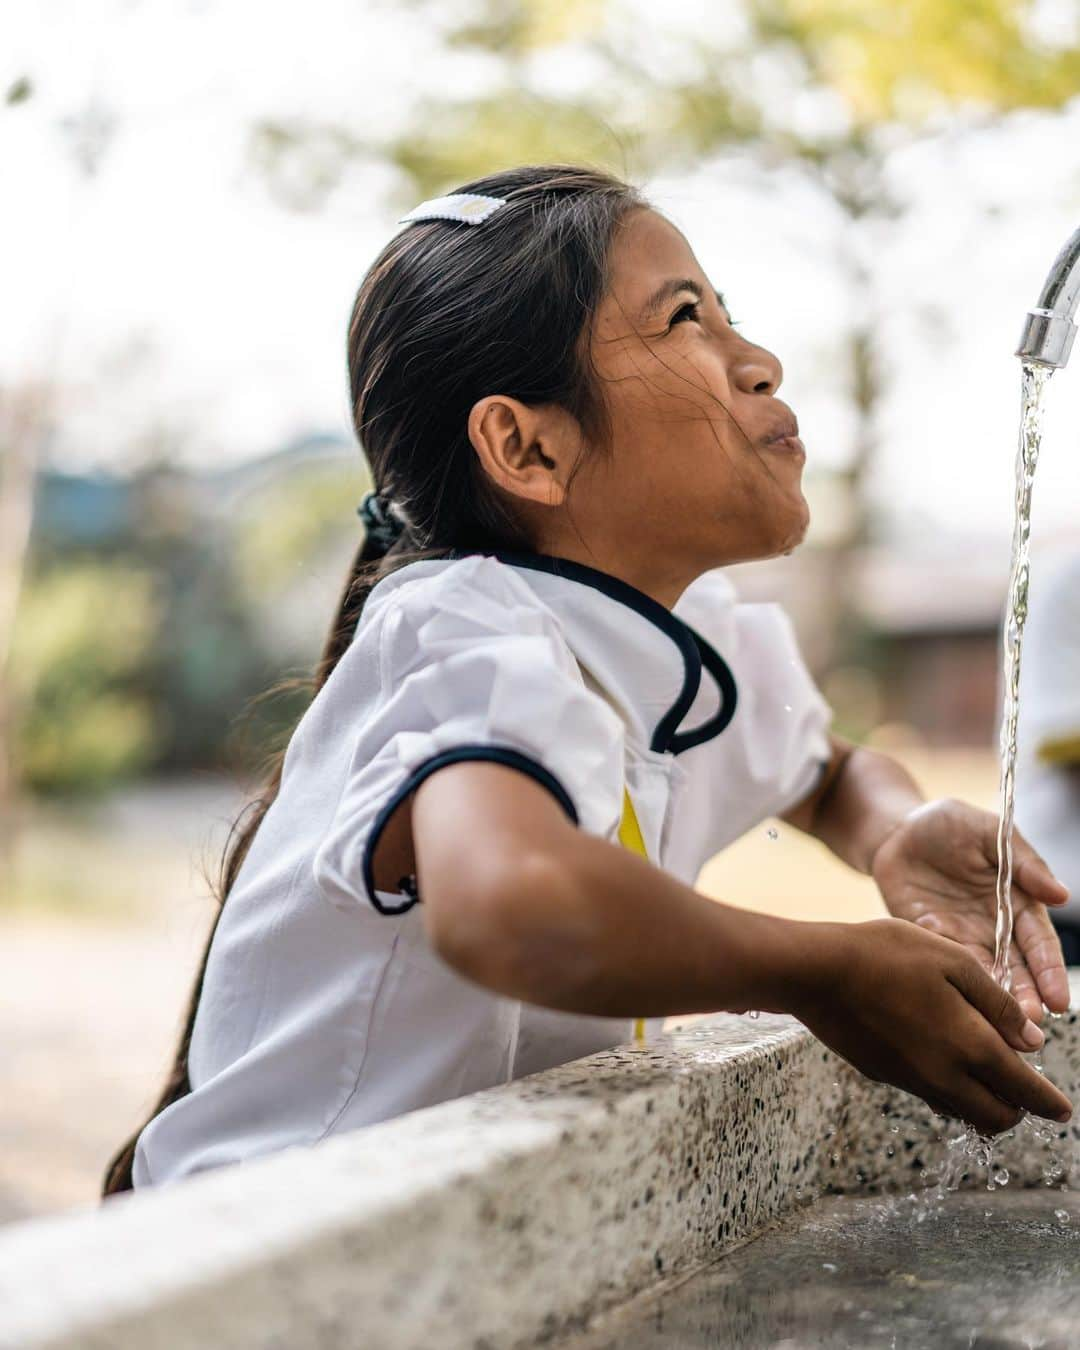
{"x": 1049, "y": 330}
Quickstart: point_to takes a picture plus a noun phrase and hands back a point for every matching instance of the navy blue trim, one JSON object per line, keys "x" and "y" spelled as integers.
{"x": 696, "y": 652}
{"x": 719, "y": 669}
{"x": 498, "y": 754}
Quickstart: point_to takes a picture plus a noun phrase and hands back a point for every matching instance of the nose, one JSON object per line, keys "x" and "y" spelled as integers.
{"x": 756, "y": 369}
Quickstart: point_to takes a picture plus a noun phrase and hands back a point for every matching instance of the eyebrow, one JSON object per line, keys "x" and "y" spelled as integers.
{"x": 672, "y": 288}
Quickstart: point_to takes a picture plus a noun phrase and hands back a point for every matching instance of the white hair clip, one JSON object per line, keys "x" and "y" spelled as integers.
{"x": 469, "y": 207}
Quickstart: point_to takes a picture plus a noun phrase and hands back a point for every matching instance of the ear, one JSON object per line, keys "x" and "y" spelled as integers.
{"x": 526, "y": 451}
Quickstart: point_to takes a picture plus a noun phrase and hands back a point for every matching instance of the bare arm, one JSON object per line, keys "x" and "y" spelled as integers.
{"x": 521, "y": 901}
{"x": 862, "y": 796}
{"x": 545, "y": 912}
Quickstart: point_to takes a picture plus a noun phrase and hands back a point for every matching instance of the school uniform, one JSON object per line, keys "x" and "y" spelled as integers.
{"x": 1047, "y": 772}
{"x": 324, "y": 1006}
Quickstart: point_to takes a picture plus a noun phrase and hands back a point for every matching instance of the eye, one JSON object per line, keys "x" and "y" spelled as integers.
{"x": 691, "y": 309}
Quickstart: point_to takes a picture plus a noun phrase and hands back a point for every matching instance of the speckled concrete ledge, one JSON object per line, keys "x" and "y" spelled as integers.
{"x": 505, "y": 1219}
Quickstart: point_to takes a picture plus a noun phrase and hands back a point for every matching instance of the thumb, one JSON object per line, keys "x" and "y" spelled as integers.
{"x": 997, "y": 1005}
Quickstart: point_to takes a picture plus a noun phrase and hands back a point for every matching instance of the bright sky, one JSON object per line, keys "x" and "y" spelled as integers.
{"x": 173, "y": 294}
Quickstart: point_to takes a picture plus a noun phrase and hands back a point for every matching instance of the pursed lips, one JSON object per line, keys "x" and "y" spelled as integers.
{"x": 787, "y": 428}
{"x": 785, "y": 438}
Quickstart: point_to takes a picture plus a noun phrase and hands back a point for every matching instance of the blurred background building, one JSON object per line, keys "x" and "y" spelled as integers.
{"x": 196, "y": 187}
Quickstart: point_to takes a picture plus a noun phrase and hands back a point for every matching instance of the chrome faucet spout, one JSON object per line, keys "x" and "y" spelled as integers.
{"x": 1049, "y": 330}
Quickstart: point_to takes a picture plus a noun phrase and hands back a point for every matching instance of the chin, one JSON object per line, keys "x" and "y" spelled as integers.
{"x": 783, "y": 537}
{"x": 787, "y": 541}
{"x": 798, "y": 531}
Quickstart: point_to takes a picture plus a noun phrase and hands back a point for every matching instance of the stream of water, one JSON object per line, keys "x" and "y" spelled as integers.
{"x": 969, "y": 1148}
{"x": 1027, "y": 455}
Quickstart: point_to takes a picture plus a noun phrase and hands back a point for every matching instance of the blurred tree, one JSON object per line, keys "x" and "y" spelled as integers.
{"x": 26, "y": 411}
{"x": 82, "y": 642}
{"x": 827, "y": 87}
{"x": 292, "y": 540}
{"x": 24, "y": 417}
{"x": 239, "y": 568}
{"x": 830, "y": 86}
{"x": 211, "y": 653}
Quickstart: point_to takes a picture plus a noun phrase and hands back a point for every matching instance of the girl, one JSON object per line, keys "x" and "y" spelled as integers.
{"x": 542, "y": 708}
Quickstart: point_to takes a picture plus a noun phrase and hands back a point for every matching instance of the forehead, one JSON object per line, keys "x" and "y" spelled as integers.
{"x": 647, "y": 251}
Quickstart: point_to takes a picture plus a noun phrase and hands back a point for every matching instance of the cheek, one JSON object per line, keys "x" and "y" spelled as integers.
{"x": 678, "y": 386}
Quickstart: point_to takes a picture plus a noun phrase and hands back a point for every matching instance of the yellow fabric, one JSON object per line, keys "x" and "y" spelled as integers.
{"x": 629, "y": 830}
{"x": 1060, "y": 750}
{"x": 630, "y": 837}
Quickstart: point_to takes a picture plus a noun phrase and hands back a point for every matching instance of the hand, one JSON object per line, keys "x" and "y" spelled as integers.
{"x": 910, "y": 1008}
{"x": 938, "y": 868}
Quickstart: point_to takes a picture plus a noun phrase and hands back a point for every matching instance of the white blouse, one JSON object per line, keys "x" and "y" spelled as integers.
{"x": 324, "y": 1007}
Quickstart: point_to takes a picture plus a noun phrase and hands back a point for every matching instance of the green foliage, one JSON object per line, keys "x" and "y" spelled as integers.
{"x": 82, "y": 638}
{"x": 19, "y": 91}
{"x": 152, "y": 647}
{"x": 901, "y": 63}
{"x": 286, "y": 522}
{"x": 909, "y": 60}
{"x": 525, "y": 28}
{"x": 450, "y": 144}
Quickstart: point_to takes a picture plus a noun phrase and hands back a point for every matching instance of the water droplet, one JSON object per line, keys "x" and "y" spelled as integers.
{"x": 894, "y": 1129}
{"x": 772, "y": 832}
{"x": 828, "y": 1265}
{"x": 1001, "y": 1176}
{"x": 1053, "y": 1171}
{"x": 1062, "y": 1216}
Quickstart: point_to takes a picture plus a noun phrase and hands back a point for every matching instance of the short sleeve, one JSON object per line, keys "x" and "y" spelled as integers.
{"x": 792, "y": 703}
{"x": 472, "y": 666}
{"x": 773, "y": 751}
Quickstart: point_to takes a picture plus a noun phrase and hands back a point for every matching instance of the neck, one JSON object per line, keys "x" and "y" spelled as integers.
{"x": 664, "y": 587}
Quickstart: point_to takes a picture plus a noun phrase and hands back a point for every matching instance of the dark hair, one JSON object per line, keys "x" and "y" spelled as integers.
{"x": 447, "y": 313}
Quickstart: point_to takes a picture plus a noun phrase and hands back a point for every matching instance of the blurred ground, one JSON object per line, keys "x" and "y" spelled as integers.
{"x": 92, "y": 996}
{"x": 99, "y": 943}
{"x": 796, "y": 876}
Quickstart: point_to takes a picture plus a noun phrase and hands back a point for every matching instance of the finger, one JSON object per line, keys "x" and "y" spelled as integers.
{"x": 1016, "y": 1082}
{"x": 1022, "y": 985}
{"x": 952, "y": 928}
{"x": 997, "y": 1005}
{"x": 1038, "y": 940}
{"x": 973, "y": 1101}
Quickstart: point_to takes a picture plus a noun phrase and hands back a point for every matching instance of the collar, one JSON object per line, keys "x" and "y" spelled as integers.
{"x": 645, "y": 657}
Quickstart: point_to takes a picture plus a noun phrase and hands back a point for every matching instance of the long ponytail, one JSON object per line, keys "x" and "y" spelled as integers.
{"x": 368, "y": 567}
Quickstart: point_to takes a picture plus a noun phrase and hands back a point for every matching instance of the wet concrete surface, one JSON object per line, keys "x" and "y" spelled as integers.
{"x": 979, "y": 1270}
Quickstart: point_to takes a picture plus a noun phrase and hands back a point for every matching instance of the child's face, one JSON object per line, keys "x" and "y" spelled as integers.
{"x": 682, "y": 489}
